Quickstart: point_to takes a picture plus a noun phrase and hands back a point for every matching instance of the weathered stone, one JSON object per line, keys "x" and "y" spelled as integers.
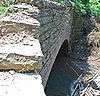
{"x": 20, "y": 53}
{"x": 20, "y": 18}
{"x": 19, "y": 50}
{"x": 17, "y": 84}
{"x": 52, "y": 28}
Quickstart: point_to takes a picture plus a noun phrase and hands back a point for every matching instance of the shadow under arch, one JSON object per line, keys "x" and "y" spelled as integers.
{"x": 61, "y": 77}
{"x": 63, "y": 49}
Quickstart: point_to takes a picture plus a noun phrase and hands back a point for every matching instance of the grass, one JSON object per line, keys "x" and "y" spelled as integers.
{"x": 2, "y": 9}
{"x": 5, "y": 4}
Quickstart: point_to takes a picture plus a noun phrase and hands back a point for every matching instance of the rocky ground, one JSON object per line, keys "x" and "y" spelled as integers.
{"x": 61, "y": 78}
{"x": 85, "y": 52}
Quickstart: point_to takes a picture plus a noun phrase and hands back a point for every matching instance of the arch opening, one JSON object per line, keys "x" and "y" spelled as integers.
{"x": 61, "y": 76}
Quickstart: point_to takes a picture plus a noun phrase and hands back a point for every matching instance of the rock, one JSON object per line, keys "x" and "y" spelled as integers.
{"x": 97, "y": 81}
{"x": 23, "y": 1}
{"x": 20, "y": 48}
{"x": 18, "y": 84}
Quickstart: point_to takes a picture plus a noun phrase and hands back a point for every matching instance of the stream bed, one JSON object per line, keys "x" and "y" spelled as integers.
{"x": 61, "y": 78}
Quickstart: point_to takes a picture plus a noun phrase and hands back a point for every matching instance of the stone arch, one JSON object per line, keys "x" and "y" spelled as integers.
{"x": 56, "y": 83}
{"x": 64, "y": 48}
{"x": 62, "y": 52}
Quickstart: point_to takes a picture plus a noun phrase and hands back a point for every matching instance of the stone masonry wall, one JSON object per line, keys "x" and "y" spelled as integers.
{"x": 55, "y": 27}
{"x": 53, "y": 23}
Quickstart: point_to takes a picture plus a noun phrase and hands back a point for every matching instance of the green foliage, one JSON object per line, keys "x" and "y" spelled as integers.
{"x": 5, "y": 4}
{"x": 2, "y": 9}
{"x": 95, "y": 7}
{"x": 83, "y": 6}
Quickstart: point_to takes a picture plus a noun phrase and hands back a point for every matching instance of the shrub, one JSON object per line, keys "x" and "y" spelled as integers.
{"x": 83, "y": 6}
{"x": 5, "y": 4}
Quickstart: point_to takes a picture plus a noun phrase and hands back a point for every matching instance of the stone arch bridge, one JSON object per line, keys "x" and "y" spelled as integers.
{"x": 31, "y": 36}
